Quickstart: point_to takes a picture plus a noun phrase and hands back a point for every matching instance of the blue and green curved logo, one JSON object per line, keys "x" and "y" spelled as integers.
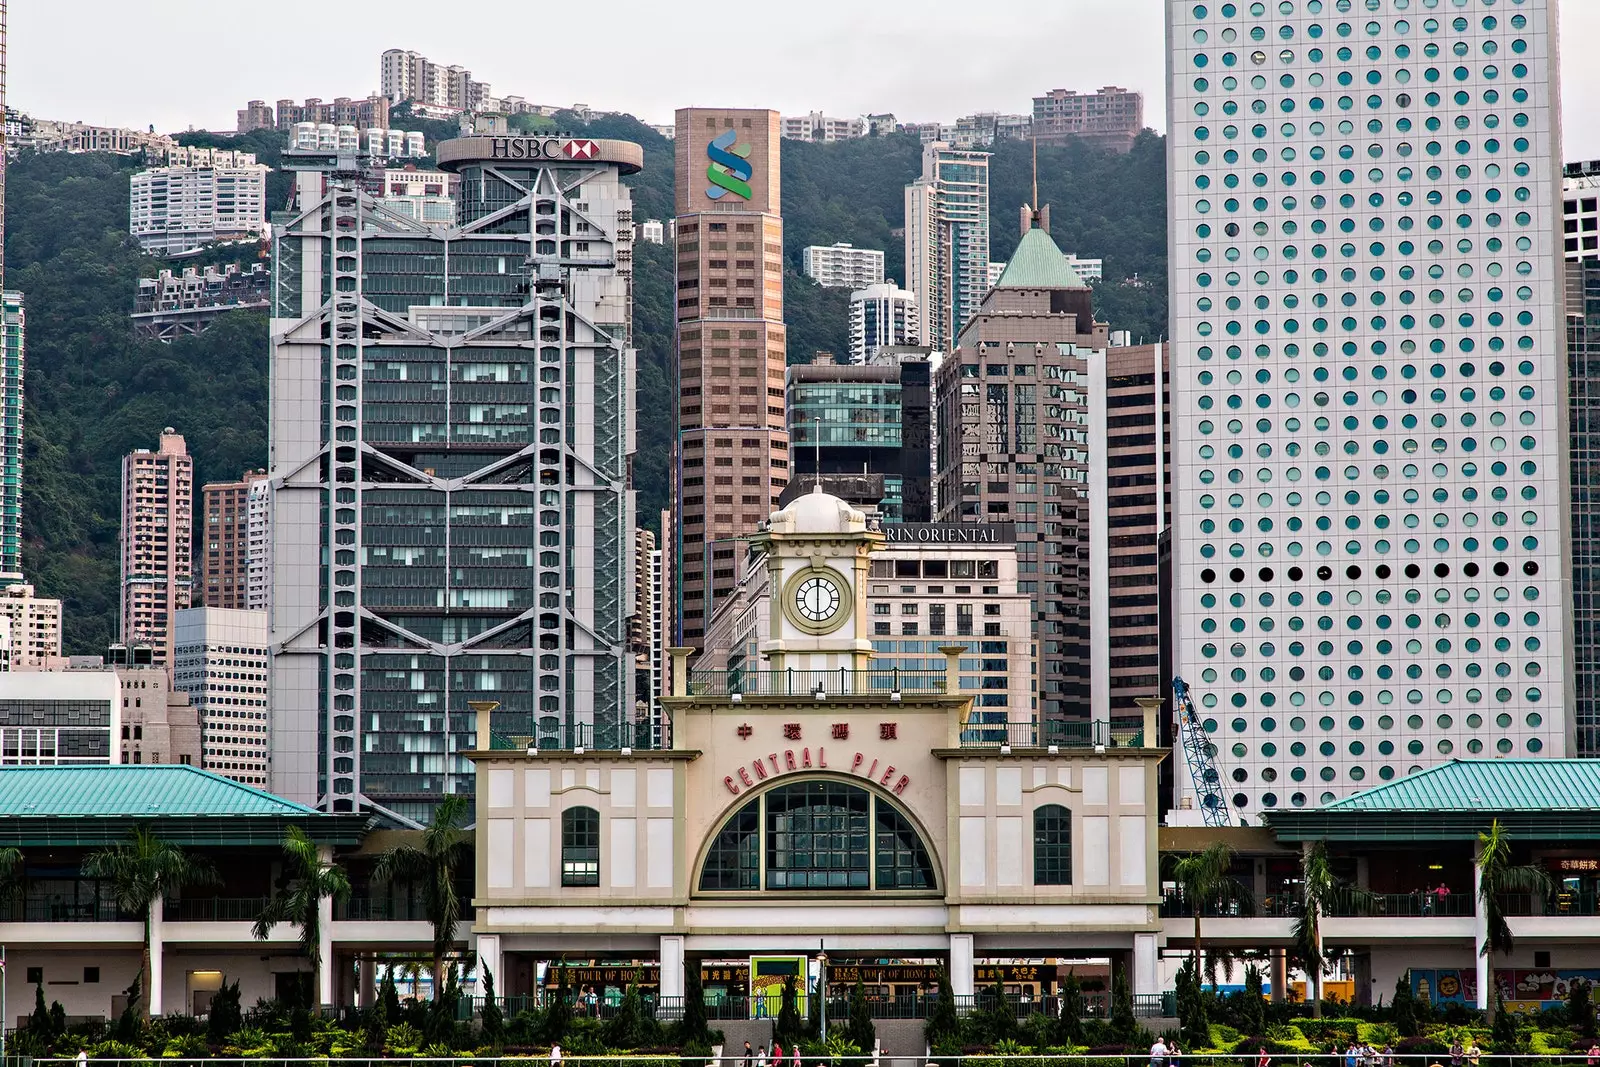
{"x": 730, "y": 168}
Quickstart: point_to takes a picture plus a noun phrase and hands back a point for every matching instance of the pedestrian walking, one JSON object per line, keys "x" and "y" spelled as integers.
{"x": 1263, "y": 1060}
{"x": 555, "y": 1056}
{"x": 749, "y": 1057}
{"x": 1158, "y": 1054}
{"x": 761, "y": 1057}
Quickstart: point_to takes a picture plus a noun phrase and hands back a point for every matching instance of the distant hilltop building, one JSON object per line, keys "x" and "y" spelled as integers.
{"x": 177, "y": 209}
{"x": 169, "y": 306}
{"x": 341, "y": 111}
{"x": 1110, "y": 117}
{"x": 819, "y": 127}
{"x": 326, "y": 137}
{"x": 842, "y": 266}
{"x": 411, "y": 77}
{"x": 48, "y": 135}
{"x": 1090, "y": 270}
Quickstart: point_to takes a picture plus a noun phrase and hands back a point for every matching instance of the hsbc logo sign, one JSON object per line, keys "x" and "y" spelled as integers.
{"x": 552, "y": 148}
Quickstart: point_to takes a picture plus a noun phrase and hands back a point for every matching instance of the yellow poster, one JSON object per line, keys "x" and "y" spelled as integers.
{"x": 767, "y": 976}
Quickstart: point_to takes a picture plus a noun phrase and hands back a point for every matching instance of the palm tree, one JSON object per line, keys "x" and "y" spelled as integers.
{"x": 142, "y": 873}
{"x": 1207, "y": 884}
{"x": 1498, "y": 875}
{"x": 308, "y": 880}
{"x": 1321, "y": 891}
{"x": 446, "y": 848}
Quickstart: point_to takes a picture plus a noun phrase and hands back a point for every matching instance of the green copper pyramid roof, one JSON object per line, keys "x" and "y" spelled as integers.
{"x": 1038, "y": 264}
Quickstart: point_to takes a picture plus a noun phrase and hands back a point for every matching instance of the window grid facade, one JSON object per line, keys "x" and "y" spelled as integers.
{"x": 1052, "y": 845}
{"x": 580, "y": 847}
{"x": 1369, "y": 400}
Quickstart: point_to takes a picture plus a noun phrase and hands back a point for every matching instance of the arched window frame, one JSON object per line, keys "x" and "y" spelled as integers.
{"x": 1052, "y": 845}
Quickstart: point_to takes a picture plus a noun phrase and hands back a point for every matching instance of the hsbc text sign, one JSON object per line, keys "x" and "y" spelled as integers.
{"x": 555, "y": 148}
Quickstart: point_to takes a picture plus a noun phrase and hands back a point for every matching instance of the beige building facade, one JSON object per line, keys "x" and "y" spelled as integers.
{"x": 157, "y": 542}
{"x": 818, "y": 803}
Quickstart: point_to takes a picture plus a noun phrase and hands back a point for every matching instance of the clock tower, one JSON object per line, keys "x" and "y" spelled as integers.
{"x": 817, "y": 552}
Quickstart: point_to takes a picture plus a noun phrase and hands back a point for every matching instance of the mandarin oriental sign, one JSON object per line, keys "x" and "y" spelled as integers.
{"x": 949, "y": 533}
{"x": 789, "y": 760}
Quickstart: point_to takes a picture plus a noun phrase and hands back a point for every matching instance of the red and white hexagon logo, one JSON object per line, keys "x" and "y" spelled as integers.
{"x": 581, "y": 149}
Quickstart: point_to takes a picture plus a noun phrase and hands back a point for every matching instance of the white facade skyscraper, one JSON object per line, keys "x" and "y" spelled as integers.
{"x": 1368, "y": 381}
{"x": 947, "y": 240}
{"x": 880, "y": 315}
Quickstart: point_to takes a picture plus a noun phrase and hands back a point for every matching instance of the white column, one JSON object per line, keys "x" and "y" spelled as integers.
{"x": 152, "y": 996}
{"x": 1099, "y": 545}
{"x": 325, "y": 937}
{"x": 367, "y": 985}
{"x": 1146, "y": 982}
{"x": 1480, "y": 931}
{"x": 672, "y": 979}
{"x": 489, "y": 959}
{"x": 961, "y": 964}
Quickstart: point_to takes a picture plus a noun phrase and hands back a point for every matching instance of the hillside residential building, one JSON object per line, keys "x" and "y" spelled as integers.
{"x": 412, "y": 77}
{"x": 35, "y": 626}
{"x": 49, "y": 135}
{"x": 882, "y": 315}
{"x": 183, "y": 155}
{"x": 1013, "y": 447}
{"x": 1371, "y": 508}
{"x": 221, "y": 663}
{"x": 819, "y": 127}
{"x": 651, "y": 231}
{"x": 340, "y": 111}
{"x": 372, "y": 141}
{"x": 1108, "y": 118}
{"x": 441, "y": 542}
{"x": 947, "y": 240}
{"x": 157, "y": 537}
{"x": 226, "y": 540}
{"x": 169, "y": 306}
{"x": 732, "y": 455}
{"x": 842, "y": 266}
{"x": 176, "y": 209}
{"x": 13, "y": 348}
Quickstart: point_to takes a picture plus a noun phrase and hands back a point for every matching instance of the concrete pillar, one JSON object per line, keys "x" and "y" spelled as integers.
{"x": 324, "y": 989}
{"x": 1480, "y": 932}
{"x": 1258, "y": 881}
{"x": 152, "y": 996}
{"x": 490, "y": 960}
{"x": 672, "y": 978}
{"x": 368, "y": 983}
{"x": 1280, "y": 975}
{"x": 1363, "y": 873}
{"x": 961, "y": 965}
{"x": 1145, "y": 978}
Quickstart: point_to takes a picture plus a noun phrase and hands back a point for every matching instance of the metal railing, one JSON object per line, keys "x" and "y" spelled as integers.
{"x": 1095, "y": 1005}
{"x": 1418, "y": 905}
{"x": 363, "y": 908}
{"x": 1561, "y": 902}
{"x": 593, "y": 737}
{"x": 793, "y": 683}
{"x": 215, "y": 909}
{"x": 57, "y": 911}
{"x": 980, "y": 732}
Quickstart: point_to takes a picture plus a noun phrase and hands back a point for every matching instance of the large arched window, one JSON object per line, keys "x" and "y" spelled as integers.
{"x": 580, "y": 847}
{"x": 817, "y": 835}
{"x": 1052, "y": 845}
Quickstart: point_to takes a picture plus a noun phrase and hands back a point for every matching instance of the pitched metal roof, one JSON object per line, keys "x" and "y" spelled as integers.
{"x": 1534, "y": 799}
{"x": 1486, "y": 785}
{"x": 1038, "y": 264}
{"x": 96, "y": 804}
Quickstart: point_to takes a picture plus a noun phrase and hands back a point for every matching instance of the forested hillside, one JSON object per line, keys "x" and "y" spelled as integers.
{"x": 94, "y": 393}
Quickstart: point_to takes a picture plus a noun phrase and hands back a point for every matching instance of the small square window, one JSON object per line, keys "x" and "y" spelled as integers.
{"x": 91, "y": 975}
{"x": 35, "y": 975}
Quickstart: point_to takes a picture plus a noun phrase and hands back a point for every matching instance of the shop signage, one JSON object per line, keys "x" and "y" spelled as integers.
{"x": 949, "y": 533}
{"x": 1575, "y": 865}
{"x": 542, "y": 148}
{"x": 790, "y": 760}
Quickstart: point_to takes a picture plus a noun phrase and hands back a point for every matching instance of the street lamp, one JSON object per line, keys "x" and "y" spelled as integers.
{"x": 822, "y": 987}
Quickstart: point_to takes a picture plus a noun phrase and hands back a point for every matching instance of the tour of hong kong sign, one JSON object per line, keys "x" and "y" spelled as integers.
{"x": 774, "y": 764}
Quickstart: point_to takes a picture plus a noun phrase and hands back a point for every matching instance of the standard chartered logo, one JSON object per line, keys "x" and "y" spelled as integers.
{"x": 730, "y": 170}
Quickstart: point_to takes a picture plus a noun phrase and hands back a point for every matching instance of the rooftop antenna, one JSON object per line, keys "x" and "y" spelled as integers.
{"x": 816, "y": 443}
{"x": 1035, "y": 141}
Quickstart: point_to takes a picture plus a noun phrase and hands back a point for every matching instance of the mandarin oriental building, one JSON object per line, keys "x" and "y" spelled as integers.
{"x": 813, "y": 802}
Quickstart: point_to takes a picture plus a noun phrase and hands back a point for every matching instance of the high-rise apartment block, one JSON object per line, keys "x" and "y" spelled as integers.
{"x": 1013, "y": 447}
{"x": 452, "y": 514}
{"x": 1583, "y": 405}
{"x": 842, "y": 266}
{"x": 865, "y": 419}
{"x": 13, "y": 347}
{"x": 35, "y": 626}
{"x": 947, "y": 240}
{"x": 340, "y": 111}
{"x": 732, "y": 458}
{"x": 177, "y": 209}
{"x": 1369, "y": 446}
{"x": 1108, "y": 118}
{"x": 220, "y": 661}
{"x": 160, "y": 724}
{"x": 258, "y": 546}
{"x": 226, "y": 540}
{"x": 410, "y": 76}
{"x": 1580, "y": 189}
{"x": 819, "y": 127}
{"x": 883, "y": 315}
{"x": 1128, "y": 511}
{"x": 157, "y": 541}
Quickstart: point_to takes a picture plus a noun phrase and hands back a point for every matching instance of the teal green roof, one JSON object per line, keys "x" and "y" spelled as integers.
{"x": 1493, "y": 785}
{"x": 1038, "y": 264}
{"x": 93, "y": 804}
{"x": 1532, "y": 798}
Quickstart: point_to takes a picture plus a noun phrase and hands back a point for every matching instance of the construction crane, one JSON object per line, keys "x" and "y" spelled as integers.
{"x": 1197, "y": 753}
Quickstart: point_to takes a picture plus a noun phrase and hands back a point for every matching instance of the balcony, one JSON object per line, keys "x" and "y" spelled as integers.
{"x": 792, "y": 683}
{"x": 591, "y": 737}
{"x": 215, "y": 909}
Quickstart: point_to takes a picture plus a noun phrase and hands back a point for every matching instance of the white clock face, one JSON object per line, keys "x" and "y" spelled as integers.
{"x": 818, "y": 599}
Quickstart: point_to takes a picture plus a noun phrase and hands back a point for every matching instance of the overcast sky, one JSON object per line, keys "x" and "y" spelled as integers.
{"x": 182, "y": 63}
